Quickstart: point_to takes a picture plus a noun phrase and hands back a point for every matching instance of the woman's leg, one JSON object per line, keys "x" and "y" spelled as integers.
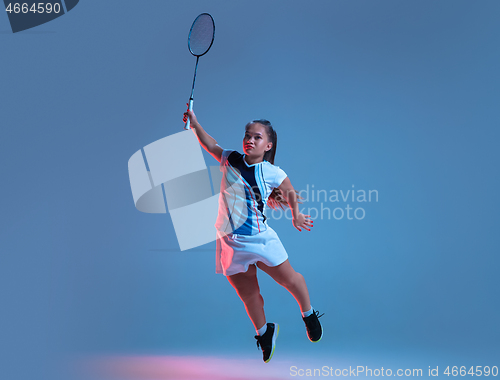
{"x": 248, "y": 290}
{"x": 292, "y": 281}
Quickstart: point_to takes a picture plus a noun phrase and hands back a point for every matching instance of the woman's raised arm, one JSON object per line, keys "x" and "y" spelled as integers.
{"x": 206, "y": 141}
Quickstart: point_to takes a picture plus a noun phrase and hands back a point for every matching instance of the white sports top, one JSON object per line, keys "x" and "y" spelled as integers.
{"x": 244, "y": 192}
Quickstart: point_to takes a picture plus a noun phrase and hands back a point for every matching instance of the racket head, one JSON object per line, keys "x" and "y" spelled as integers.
{"x": 201, "y": 35}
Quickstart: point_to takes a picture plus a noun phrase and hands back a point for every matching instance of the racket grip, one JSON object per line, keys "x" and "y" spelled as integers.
{"x": 188, "y": 123}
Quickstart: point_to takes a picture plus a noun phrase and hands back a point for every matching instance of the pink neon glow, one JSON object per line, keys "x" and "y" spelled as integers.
{"x": 183, "y": 368}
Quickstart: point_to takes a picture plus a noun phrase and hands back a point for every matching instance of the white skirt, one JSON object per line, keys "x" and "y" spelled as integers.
{"x": 234, "y": 252}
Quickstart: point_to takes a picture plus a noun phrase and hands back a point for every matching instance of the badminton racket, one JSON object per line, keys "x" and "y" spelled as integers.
{"x": 200, "y": 40}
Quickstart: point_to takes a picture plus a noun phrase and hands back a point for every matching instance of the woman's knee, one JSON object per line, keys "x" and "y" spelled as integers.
{"x": 250, "y": 296}
{"x": 291, "y": 281}
{"x": 249, "y": 293}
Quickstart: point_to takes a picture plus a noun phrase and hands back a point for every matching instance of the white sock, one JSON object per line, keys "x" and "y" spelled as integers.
{"x": 307, "y": 313}
{"x": 262, "y": 330}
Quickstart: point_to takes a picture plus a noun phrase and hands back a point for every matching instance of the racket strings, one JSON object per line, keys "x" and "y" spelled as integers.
{"x": 201, "y": 35}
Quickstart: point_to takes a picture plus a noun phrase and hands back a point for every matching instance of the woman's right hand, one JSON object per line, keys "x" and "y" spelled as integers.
{"x": 192, "y": 117}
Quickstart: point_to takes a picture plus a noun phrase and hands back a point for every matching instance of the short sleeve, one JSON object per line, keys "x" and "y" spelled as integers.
{"x": 223, "y": 158}
{"x": 280, "y": 177}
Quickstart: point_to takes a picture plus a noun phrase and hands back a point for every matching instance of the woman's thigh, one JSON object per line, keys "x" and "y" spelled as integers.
{"x": 245, "y": 283}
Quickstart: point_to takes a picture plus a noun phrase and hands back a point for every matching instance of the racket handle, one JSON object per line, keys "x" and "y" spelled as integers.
{"x": 188, "y": 123}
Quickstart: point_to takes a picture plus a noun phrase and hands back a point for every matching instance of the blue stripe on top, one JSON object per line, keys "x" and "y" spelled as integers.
{"x": 244, "y": 192}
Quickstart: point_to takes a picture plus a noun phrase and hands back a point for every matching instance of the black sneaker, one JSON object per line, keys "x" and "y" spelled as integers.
{"x": 267, "y": 342}
{"x": 314, "y": 330}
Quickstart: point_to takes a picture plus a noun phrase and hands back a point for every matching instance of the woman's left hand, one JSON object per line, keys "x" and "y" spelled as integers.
{"x": 302, "y": 221}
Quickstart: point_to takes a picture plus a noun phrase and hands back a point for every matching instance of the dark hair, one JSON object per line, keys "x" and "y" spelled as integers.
{"x": 276, "y": 198}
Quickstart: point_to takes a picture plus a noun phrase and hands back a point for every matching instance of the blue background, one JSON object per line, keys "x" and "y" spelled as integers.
{"x": 398, "y": 97}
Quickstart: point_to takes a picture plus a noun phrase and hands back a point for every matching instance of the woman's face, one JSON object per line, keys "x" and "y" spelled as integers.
{"x": 256, "y": 142}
